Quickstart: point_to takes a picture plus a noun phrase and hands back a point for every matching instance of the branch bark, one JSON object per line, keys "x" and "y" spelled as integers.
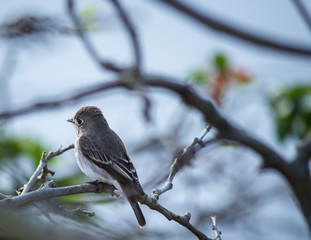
{"x": 50, "y": 191}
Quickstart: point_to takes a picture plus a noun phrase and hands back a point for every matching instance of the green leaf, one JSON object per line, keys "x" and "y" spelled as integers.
{"x": 198, "y": 77}
{"x": 292, "y": 112}
{"x": 221, "y": 63}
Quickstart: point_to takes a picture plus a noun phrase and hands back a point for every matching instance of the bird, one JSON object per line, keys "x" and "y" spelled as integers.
{"x": 102, "y": 156}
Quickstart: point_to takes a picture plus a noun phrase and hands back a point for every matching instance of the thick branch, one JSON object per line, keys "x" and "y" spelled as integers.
{"x": 214, "y": 117}
{"x": 243, "y": 34}
{"x": 87, "y": 43}
{"x": 49, "y": 192}
{"x": 298, "y": 176}
{"x": 131, "y": 31}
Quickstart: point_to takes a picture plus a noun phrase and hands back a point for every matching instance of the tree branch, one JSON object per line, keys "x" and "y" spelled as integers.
{"x": 50, "y": 191}
{"x": 180, "y": 161}
{"x": 303, "y": 12}
{"x": 43, "y": 162}
{"x": 215, "y": 229}
{"x": 213, "y": 116}
{"x": 131, "y": 32}
{"x": 87, "y": 43}
{"x": 243, "y": 34}
{"x": 60, "y": 101}
{"x": 153, "y": 204}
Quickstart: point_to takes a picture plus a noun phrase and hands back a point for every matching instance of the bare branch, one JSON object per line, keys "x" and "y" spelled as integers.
{"x": 131, "y": 31}
{"x": 43, "y": 162}
{"x": 297, "y": 176}
{"x": 303, "y": 12}
{"x": 87, "y": 43}
{"x": 60, "y": 101}
{"x": 152, "y": 203}
{"x": 183, "y": 159}
{"x": 49, "y": 191}
{"x": 226, "y": 129}
{"x": 244, "y": 34}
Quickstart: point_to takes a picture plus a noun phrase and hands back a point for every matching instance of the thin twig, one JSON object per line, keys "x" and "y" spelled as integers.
{"x": 131, "y": 32}
{"x": 60, "y": 101}
{"x": 43, "y": 161}
{"x": 54, "y": 207}
{"x": 183, "y": 159}
{"x": 87, "y": 43}
{"x": 147, "y": 105}
{"x": 152, "y": 203}
{"x": 215, "y": 229}
{"x": 303, "y": 12}
{"x": 44, "y": 210}
{"x": 3, "y": 196}
{"x": 259, "y": 39}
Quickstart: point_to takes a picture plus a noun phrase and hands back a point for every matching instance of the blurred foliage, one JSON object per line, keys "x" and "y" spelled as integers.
{"x": 221, "y": 62}
{"x": 219, "y": 76}
{"x": 15, "y": 154}
{"x": 14, "y": 147}
{"x": 91, "y": 17}
{"x": 32, "y": 29}
{"x": 292, "y": 112}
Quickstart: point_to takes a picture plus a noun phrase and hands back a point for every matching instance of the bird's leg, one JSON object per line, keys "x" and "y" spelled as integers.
{"x": 103, "y": 186}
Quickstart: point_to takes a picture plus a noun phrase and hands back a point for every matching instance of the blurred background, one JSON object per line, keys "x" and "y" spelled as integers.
{"x": 264, "y": 91}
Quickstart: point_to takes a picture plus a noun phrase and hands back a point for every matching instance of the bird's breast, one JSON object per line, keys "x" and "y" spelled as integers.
{"x": 92, "y": 170}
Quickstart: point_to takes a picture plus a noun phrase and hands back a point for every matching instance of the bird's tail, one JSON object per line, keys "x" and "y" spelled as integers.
{"x": 137, "y": 211}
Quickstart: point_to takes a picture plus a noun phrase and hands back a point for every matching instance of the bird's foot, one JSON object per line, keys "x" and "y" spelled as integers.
{"x": 98, "y": 184}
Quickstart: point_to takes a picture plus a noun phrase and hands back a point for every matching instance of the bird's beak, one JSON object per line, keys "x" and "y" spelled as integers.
{"x": 70, "y": 120}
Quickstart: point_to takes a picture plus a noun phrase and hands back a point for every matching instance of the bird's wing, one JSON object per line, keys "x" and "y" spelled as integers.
{"x": 118, "y": 162}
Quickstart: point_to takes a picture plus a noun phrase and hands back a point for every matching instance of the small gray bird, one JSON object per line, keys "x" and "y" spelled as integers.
{"x": 101, "y": 155}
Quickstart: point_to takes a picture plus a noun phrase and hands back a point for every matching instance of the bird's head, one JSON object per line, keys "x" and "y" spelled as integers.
{"x": 87, "y": 118}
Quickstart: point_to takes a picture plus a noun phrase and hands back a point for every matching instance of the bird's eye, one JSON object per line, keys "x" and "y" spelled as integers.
{"x": 79, "y": 121}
